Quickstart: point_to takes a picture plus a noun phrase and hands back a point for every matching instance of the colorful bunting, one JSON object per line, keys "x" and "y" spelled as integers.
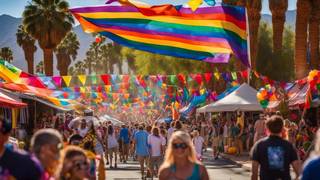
{"x": 57, "y": 80}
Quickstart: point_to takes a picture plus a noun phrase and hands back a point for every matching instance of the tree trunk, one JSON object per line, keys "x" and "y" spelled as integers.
{"x": 111, "y": 68}
{"x": 48, "y": 61}
{"x": 300, "y": 56}
{"x": 29, "y": 56}
{"x": 314, "y": 23}
{"x": 278, "y": 9}
{"x": 64, "y": 62}
{"x": 254, "y": 8}
{"x": 120, "y": 66}
{"x": 90, "y": 66}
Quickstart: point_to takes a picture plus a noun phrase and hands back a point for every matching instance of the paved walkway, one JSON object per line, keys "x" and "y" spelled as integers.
{"x": 221, "y": 169}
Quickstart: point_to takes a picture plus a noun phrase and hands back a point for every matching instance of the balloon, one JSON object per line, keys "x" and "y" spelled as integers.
{"x": 98, "y": 39}
{"x": 264, "y": 103}
{"x": 259, "y": 96}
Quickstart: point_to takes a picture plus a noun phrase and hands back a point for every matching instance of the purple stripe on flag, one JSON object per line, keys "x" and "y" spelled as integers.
{"x": 218, "y": 58}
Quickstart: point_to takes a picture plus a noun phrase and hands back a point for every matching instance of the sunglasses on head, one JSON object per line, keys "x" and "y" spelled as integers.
{"x": 180, "y": 145}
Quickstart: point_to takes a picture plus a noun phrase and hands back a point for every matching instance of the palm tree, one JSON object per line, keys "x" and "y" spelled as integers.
{"x": 67, "y": 51}
{"x": 300, "y": 56}
{"x": 6, "y": 54}
{"x": 48, "y": 22}
{"x": 80, "y": 68}
{"x": 39, "y": 68}
{"x": 27, "y": 42}
{"x": 314, "y": 23}
{"x": 254, "y": 8}
{"x": 278, "y": 9}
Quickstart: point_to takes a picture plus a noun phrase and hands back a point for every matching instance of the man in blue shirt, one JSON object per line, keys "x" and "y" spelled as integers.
{"x": 141, "y": 144}
{"x": 124, "y": 136}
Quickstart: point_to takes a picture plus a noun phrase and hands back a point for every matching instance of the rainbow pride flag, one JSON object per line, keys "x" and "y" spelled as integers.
{"x": 209, "y": 34}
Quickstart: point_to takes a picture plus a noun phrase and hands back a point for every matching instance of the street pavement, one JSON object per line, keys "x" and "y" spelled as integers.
{"x": 221, "y": 169}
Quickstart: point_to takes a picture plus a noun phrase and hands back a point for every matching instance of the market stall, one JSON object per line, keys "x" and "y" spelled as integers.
{"x": 242, "y": 99}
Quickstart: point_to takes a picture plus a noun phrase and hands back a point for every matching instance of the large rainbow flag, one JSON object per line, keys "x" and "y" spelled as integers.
{"x": 209, "y": 34}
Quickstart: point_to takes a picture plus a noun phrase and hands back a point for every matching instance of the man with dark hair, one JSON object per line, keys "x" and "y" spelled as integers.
{"x": 14, "y": 165}
{"x": 46, "y": 145}
{"x": 274, "y": 154}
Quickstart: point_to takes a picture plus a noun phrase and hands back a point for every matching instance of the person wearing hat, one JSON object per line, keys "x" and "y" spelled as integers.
{"x": 259, "y": 129}
{"x": 15, "y": 165}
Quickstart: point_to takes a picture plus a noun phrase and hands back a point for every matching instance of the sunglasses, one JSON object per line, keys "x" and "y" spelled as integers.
{"x": 180, "y": 145}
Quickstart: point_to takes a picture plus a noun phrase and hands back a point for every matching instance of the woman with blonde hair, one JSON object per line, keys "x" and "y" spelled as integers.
{"x": 181, "y": 160}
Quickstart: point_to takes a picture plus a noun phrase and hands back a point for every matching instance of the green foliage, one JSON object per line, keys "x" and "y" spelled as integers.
{"x": 145, "y": 63}
{"x": 6, "y": 54}
{"x": 273, "y": 65}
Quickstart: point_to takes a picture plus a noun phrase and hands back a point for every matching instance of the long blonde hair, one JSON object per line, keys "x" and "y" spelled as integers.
{"x": 169, "y": 157}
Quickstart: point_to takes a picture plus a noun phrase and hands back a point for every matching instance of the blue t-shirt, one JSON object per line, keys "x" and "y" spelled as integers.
{"x": 141, "y": 139}
{"x": 124, "y": 135}
{"x": 311, "y": 170}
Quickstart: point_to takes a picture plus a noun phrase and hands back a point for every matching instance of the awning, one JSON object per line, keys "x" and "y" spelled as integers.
{"x": 33, "y": 97}
{"x": 7, "y": 102}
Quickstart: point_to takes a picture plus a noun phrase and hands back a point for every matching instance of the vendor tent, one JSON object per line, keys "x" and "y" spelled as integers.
{"x": 8, "y": 102}
{"x": 242, "y": 99}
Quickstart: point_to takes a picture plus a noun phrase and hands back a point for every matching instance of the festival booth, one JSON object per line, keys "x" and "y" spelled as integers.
{"x": 12, "y": 109}
{"x": 242, "y": 99}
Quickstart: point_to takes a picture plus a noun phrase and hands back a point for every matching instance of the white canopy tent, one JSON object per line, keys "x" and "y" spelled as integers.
{"x": 242, "y": 99}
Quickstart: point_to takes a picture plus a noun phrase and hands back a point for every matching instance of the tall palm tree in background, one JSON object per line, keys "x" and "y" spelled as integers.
{"x": 67, "y": 51}
{"x": 254, "y": 9}
{"x": 79, "y": 68}
{"x": 40, "y": 68}
{"x": 6, "y": 54}
{"x": 300, "y": 56}
{"x": 48, "y": 21}
{"x": 27, "y": 42}
{"x": 278, "y": 9}
{"x": 314, "y": 23}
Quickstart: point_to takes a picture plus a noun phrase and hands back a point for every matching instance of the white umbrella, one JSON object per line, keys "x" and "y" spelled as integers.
{"x": 89, "y": 120}
{"x": 114, "y": 121}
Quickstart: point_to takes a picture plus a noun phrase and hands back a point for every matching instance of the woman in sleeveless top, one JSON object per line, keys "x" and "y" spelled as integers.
{"x": 180, "y": 160}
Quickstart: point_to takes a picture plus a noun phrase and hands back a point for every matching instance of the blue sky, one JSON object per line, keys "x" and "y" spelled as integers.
{"x": 15, "y": 7}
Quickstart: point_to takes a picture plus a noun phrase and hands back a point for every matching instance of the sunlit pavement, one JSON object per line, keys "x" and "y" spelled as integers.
{"x": 221, "y": 169}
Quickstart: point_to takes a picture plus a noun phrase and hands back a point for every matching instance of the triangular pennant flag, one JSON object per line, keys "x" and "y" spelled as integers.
{"x": 207, "y": 77}
{"x": 234, "y": 75}
{"x": 244, "y": 74}
{"x": 217, "y": 75}
{"x": 57, "y": 80}
{"x": 173, "y": 79}
{"x": 82, "y": 89}
{"x": 82, "y": 79}
{"x": 94, "y": 79}
{"x": 194, "y": 4}
{"x": 67, "y": 80}
{"x": 105, "y": 78}
{"x": 198, "y": 78}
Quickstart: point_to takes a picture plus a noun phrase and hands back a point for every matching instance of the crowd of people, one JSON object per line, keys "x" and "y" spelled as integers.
{"x": 173, "y": 150}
